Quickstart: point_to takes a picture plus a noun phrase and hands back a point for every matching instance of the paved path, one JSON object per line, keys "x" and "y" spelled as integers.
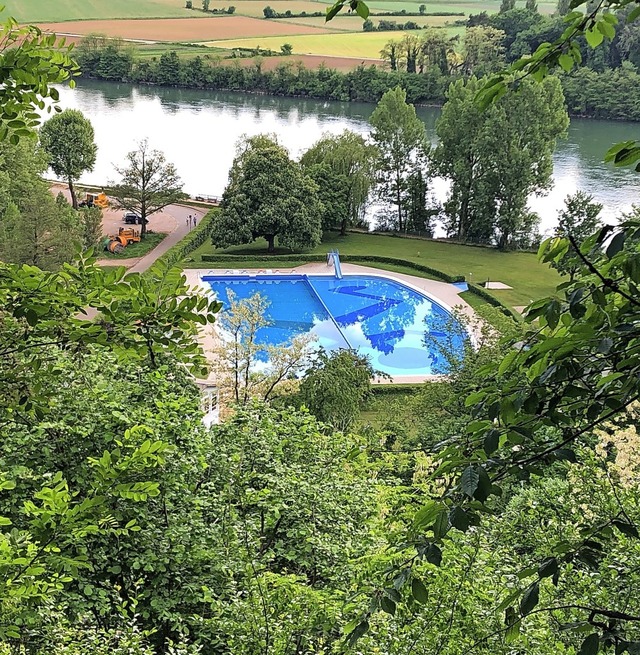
{"x": 141, "y": 264}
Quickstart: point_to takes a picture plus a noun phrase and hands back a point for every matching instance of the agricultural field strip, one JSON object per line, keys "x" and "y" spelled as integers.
{"x": 365, "y": 45}
{"x": 201, "y": 29}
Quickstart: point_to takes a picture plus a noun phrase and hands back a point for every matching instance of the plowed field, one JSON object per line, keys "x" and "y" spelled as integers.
{"x": 195, "y": 29}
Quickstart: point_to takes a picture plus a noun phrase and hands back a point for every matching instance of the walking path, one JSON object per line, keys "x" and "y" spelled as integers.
{"x": 181, "y": 229}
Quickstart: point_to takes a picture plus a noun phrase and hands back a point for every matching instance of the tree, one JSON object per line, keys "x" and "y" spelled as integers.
{"x": 507, "y": 5}
{"x": 437, "y": 50}
{"x": 532, "y": 6}
{"x": 422, "y": 9}
{"x": 286, "y": 48}
{"x": 36, "y": 229}
{"x": 148, "y": 184}
{"x": 579, "y": 220}
{"x": 91, "y": 226}
{"x": 205, "y": 5}
{"x": 268, "y": 196}
{"x": 239, "y": 357}
{"x": 349, "y": 160}
{"x": 480, "y": 150}
{"x": 269, "y": 12}
{"x": 392, "y": 53}
{"x": 69, "y": 141}
{"x": 400, "y": 137}
{"x": 336, "y": 386}
{"x": 483, "y": 50}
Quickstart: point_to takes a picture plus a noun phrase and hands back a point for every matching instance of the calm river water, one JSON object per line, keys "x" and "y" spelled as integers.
{"x": 198, "y": 130}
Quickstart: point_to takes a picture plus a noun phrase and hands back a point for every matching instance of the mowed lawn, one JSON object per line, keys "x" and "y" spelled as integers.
{"x": 39, "y": 11}
{"x": 365, "y": 45}
{"x": 521, "y": 270}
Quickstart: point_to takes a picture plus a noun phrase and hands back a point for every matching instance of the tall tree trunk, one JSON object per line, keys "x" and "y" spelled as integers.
{"x": 399, "y": 203}
{"x": 343, "y": 228}
{"x": 143, "y": 219}
{"x": 72, "y": 191}
{"x": 271, "y": 238}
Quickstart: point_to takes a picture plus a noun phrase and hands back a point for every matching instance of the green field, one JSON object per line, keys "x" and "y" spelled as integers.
{"x": 186, "y": 51}
{"x": 521, "y": 270}
{"x": 39, "y": 11}
{"x": 366, "y": 45}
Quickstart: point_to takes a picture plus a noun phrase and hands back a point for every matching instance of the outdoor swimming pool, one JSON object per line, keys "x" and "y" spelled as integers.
{"x": 377, "y": 316}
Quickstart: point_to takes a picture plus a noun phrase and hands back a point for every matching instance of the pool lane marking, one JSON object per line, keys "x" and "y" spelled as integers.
{"x": 326, "y": 309}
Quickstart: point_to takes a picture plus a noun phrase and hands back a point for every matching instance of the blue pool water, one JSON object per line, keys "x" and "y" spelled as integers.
{"x": 379, "y": 317}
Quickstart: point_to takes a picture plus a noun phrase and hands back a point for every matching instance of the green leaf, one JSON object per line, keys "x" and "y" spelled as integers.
{"x": 616, "y": 244}
{"x": 606, "y": 29}
{"x": 434, "y": 555}
{"x": 548, "y": 567}
{"x": 459, "y": 519}
{"x": 566, "y": 62}
{"x": 359, "y": 630}
{"x": 419, "y": 591}
{"x": 387, "y": 605}
{"x": 591, "y": 645}
{"x": 633, "y": 15}
{"x": 530, "y": 599}
{"x": 594, "y": 37}
{"x": 626, "y": 528}
{"x": 469, "y": 481}
{"x": 362, "y": 10}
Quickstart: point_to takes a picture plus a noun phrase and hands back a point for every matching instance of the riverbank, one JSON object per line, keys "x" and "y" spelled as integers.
{"x": 611, "y": 94}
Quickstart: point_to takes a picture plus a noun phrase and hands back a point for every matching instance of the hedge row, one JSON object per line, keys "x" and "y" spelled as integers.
{"x": 191, "y": 241}
{"x": 492, "y": 300}
{"x": 394, "y": 389}
{"x": 314, "y": 257}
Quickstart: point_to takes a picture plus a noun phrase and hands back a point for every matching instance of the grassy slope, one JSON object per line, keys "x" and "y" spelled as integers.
{"x": 530, "y": 279}
{"x": 60, "y": 10}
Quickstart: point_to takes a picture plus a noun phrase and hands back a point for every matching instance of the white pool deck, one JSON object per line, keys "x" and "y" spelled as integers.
{"x": 444, "y": 293}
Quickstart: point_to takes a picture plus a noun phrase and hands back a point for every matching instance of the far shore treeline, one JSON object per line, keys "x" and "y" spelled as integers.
{"x": 612, "y": 93}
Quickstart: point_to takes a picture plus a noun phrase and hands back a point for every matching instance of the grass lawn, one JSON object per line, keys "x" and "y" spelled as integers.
{"x": 138, "y": 249}
{"x": 38, "y": 11}
{"x": 521, "y": 270}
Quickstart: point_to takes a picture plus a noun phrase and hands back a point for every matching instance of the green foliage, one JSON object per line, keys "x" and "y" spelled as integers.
{"x": 35, "y": 229}
{"x": 91, "y": 226}
{"x": 479, "y": 150}
{"x": 335, "y": 387}
{"x": 579, "y": 219}
{"x": 400, "y": 137}
{"x": 148, "y": 184}
{"x": 69, "y": 142}
{"x": 268, "y": 196}
{"x": 31, "y": 64}
{"x": 342, "y": 165}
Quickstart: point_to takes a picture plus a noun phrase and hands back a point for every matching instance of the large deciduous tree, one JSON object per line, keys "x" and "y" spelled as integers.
{"x": 268, "y": 196}
{"x": 496, "y": 158}
{"x": 349, "y": 159}
{"x": 148, "y": 183}
{"x": 69, "y": 141}
{"x": 401, "y": 139}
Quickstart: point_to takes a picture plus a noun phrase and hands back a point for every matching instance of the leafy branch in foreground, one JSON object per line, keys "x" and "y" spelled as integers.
{"x": 30, "y": 63}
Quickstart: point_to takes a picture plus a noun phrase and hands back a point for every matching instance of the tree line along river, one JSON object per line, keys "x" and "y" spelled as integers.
{"x": 198, "y": 130}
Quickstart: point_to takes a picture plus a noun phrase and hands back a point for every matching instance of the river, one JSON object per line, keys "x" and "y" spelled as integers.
{"x": 197, "y": 130}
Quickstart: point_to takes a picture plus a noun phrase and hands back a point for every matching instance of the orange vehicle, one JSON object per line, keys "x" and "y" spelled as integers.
{"x": 125, "y": 236}
{"x": 95, "y": 200}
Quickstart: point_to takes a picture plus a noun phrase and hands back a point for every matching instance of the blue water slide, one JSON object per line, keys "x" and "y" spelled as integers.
{"x": 334, "y": 256}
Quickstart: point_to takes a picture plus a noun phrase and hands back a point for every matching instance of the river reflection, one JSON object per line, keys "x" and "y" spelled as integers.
{"x": 198, "y": 131}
